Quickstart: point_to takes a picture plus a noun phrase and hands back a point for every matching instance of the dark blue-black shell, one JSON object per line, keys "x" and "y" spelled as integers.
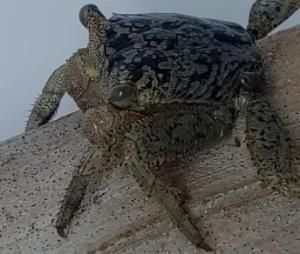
{"x": 178, "y": 58}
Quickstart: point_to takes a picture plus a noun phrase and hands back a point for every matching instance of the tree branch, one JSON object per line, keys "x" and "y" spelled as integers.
{"x": 116, "y": 217}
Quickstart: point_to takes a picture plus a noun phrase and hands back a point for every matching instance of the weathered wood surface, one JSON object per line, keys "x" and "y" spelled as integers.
{"x": 226, "y": 197}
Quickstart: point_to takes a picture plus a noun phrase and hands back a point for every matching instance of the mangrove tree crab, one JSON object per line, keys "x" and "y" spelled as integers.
{"x": 154, "y": 87}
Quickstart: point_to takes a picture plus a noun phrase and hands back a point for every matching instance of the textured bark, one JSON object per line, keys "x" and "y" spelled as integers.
{"x": 226, "y": 200}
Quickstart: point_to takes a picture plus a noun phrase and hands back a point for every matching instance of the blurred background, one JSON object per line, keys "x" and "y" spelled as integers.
{"x": 38, "y": 36}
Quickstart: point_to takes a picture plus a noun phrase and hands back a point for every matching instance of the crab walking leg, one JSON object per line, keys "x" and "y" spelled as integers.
{"x": 164, "y": 138}
{"x": 169, "y": 201}
{"x": 266, "y": 15}
{"x": 67, "y": 78}
{"x": 76, "y": 190}
{"x": 270, "y": 147}
{"x": 74, "y": 78}
{"x": 101, "y": 127}
{"x": 47, "y": 103}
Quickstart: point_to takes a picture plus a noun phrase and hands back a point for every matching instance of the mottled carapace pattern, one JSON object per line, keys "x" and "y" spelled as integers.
{"x": 173, "y": 58}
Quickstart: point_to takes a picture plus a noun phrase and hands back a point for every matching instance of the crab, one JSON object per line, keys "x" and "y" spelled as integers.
{"x": 155, "y": 87}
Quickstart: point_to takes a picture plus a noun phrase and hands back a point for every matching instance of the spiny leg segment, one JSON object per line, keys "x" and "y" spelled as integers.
{"x": 48, "y": 102}
{"x": 74, "y": 77}
{"x": 166, "y": 138}
{"x": 270, "y": 146}
{"x": 267, "y": 138}
{"x": 76, "y": 190}
{"x": 143, "y": 143}
{"x": 105, "y": 129}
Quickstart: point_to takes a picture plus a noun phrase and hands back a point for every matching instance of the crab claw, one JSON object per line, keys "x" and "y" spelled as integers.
{"x": 89, "y": 12}
{"x": 61, "y": 232}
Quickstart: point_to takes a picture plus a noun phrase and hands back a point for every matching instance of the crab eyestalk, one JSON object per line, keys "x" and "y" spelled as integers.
{"x": 266, "y": 15}
{"x": 97, "y": 24}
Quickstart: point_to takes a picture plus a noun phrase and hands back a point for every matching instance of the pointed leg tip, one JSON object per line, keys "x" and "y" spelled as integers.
{"x": 61, "y": 232}
{"x": 205, "y": 247}
{"x": 201, "y": 243}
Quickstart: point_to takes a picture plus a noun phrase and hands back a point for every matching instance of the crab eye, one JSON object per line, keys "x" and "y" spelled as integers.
{"x": 251, "y": 81}
{"x": 121, "y": 96}
{"x": 84, "y": 13}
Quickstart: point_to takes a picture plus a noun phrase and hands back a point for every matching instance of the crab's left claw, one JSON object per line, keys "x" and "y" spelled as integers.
{"x": 90, "y": 13}
{"x": 266, "y": 15}
{"x": 97, "y": 24}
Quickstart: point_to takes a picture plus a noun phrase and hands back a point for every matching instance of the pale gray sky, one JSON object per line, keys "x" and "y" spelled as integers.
{"x": 38, "y": 36}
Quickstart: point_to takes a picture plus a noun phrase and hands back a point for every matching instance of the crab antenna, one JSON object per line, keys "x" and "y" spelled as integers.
{"x": 265, "y": 15}
{"x": 97, "y": 24}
